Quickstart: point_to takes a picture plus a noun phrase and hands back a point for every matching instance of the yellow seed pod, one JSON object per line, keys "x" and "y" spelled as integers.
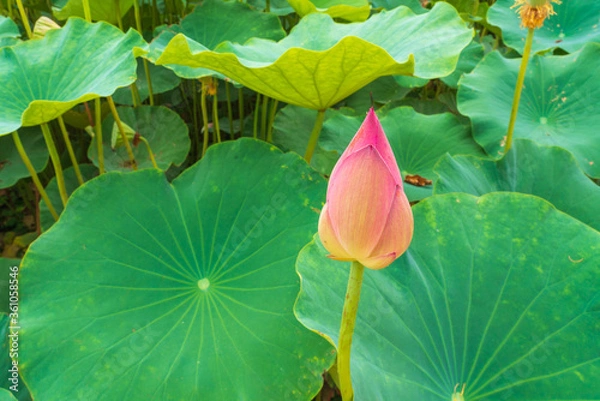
{"x": 533, "y": 13}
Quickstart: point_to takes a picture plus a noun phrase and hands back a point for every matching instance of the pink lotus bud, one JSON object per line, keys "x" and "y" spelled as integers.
{"x": 366, "y": 216}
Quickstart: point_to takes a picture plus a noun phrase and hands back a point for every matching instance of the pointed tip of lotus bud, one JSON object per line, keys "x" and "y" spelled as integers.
{"x": 371, "y": 133}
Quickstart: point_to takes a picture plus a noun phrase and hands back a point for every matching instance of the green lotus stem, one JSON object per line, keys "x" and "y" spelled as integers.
{"x": 33, "y": 174}
{"x": 10, "y": 10}
{"x": 204, "y": 117}
{"x": 65, "y": 134}
{"x": 138, "y": 24}
{"x": 272, "y": 120}
{"x": 241, "y": 109}
{"x": 149, "y": 151}
{"x": 135, "y": 95}
{"x": 147, "y": 72}
{"x": 263, "y": 118}
{"x": 87, "y": 12}
{"x": 255, "y": 128}
{"x": 115, "y": 114}
{"x": 58, "y": 171}
{"x": 118, "y": 16}
{"x": 24, "y": 18}
{"x": 314, "y": 136}
{"x": 268, "y": 6}
{"x": 99, "y": 145}
{"x": 195, "y": 115}
{"x": 518, "y": 88}
{"x": 229, "y": 109}
{"x": 347, "y": 329}
{"x": 154, "y": 12}
{"x": 216, "y": 118}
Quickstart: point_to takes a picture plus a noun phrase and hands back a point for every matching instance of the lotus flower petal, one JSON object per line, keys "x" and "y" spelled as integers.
{"x": 359, "y": 198}
{"x": 379, "y": 262}
{"x": 329, "y": 237}
{"x": 398, "y": 229}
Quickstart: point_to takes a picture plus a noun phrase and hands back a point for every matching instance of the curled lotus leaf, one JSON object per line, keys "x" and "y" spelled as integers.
{"x": 318, "y": 70}
{"x": 42, "y": 79}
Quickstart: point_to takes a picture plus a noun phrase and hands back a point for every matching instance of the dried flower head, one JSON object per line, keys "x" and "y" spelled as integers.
{"x": 533, "y": 13}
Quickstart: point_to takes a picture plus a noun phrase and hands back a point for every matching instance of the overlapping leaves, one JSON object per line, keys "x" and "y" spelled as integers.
{"x": 321, "y": 62}
{"x": 499, "y": 293}
{"x": 176, "y": 291}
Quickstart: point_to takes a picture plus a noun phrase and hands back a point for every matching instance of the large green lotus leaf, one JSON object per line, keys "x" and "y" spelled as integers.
{"x": 41, "y": 79}
{"x": 383, "y": 90}
{"x": 419, "y": 140}
{"x": 470, "y": 10}
{"x": 414, "y": 5}
{"x": 349, "y": 10}
{"x": 101, "y": 10}
{"x": 291, "y": 131}
{"x": 88, "y": 171}
{"x": 12, "y": 168}
{"x": 178, "y": 291}
{"x": 5, "y": 269}
{"x": 549, "y": 172}
{"x": 558, "y": 104}
{"x": 500, "y": 293}
{"x": 277, "y": 7}
{"x": 321, "y": 62}
{"x": 574, "y": 25}
{"x": 6, "y": 381}
{"x": 469, "y": 58}
{"x": 9, "y": 32}
{"x": 6, "y": 395}
{"x": 163, "y": 80}
{"x": 164, "y": 130}
{"x": 204, "y": 25}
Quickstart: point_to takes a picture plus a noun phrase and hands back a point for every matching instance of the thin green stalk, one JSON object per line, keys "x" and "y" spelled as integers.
{"x": 518, "y": 88}
{"x": 195, "y": 114}
{"x": 10, "y": 10}
{"x": 33, "y": 174}
{"x": 154, "y": 12}
{"x": 241, "y": 109}
{"x": 87, "y": 12}
{"x": 204, "y": 117}
{"x": 118, "y": 10}
{"x": 98, "y": 126}
{"x": 256, "y": 108}
{"x": 268, "y": 6}
{"x": 263, "y": 118}
{"x": 24, "y": 18}
{"x": 272, "y": 120}
{"x": 115, "y": 114}
{"x": 229, "y": 108}
{"x": 58, "y": 171}
{"x": 347, "y": 329}
{"x": 65, "y": 135}
{"x": 314, "y": 136}
{"x": 149, "y": 151}
{"x": 216, "y": 118}
{"x": 135, "y": 95}
{"x": 138, "y": 24}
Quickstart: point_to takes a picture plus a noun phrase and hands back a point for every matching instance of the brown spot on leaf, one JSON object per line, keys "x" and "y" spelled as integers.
{"x": 417, "y": 180}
